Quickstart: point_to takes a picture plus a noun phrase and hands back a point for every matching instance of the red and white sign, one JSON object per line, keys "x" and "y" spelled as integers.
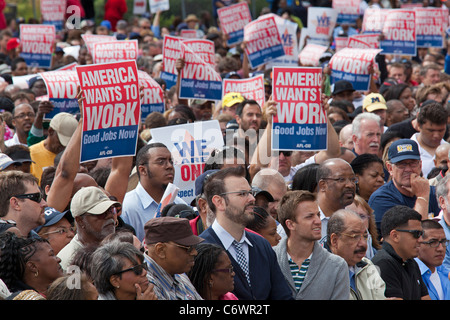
{"x": 310, "y": 54}
{"x": 37, "y": 38}
{"x": 113, "y": 51}
{"x": 373, "y": 20}
{"x": 233, "y": 19}
{"x": 250, "y": 88}
{"x": 372, "y": 39}
{"x": 90, "y": 39}
{"x": 53, "y": 10}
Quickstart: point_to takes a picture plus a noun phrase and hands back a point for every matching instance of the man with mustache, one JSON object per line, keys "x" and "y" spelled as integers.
{"x": 95, "y": 218}
{"x": 407, "y": 187}
{"x": 366, "y": 134}
{"x": 431, "y": 256}
{"x": 347, "y": 238}
{"x": 336, "y": 188}
{"x": 258, "y": 275}
{"x": 155, "y": 170}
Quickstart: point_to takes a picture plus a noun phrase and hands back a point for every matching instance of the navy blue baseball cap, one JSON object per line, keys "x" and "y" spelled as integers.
{"x": 403, "y": 149}
{"x": 53, "y": 216}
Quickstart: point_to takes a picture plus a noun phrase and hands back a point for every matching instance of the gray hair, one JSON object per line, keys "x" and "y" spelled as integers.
{"x": 109, "y": 259}
{"x": 264, "y": 177}
{"x": 356, "y": 123}
{"x": 442, "y": 188}
{"x": 336, "y": 224}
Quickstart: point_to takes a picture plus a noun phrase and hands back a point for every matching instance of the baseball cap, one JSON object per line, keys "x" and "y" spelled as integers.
{"x": 341, "y": 86}
{"x": 403, "y": 149}
{"x": 259, "y": 191}
{"x": 65, "y": 125}
{"x": 165, "y": 229}
{"x": 90, "y": 200}
{"x": 20, "y": 155}
{"x": 231, "y": 98}
{"x": 374, "y": 101}
{"x": 5, "y": 161}
{"x": 53, "y": 216}
{"x": 12, "y": 43}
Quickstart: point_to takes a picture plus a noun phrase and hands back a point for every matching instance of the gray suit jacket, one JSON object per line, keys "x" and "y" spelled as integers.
{"x": 327, "y": 277}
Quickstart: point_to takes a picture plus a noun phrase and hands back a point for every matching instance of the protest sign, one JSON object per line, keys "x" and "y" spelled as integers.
{"x": 353, "y": 65}
{"x": 188, "y": 34}
{"x": 190, "y": 145}
{"x": 340, "y": 43}
{"x": 168, "y": 197}
{"x": 250, "y": 88}
{"x": 111, "y": 109}
{"x": 37, "y": 42}
{"x": 263, "y": 41}
{"x": 90, "y": 39}
{"x": 159, "y": 5}
{"x": 199, "y": 79}
{"x": 310, "y": 54}
{"x": 348, "y": 11}
{"x": 321, "y": 23}
{"x": 113, "y": 51}
{"x": 62, "y": 87}
{"x": 139, "y": 6}
{"x": 356, "y": 43}
{"x": 53, "y": 13}
{"x": 430, "y": 27}
{"x": 371, "y": 39}
{"x": 233, "y": 19}
{"x": 399, "y": 30}
{"x": 300, "y": 122}
{"x": 153, "y": 100}
{"x": 373, "y": 20}
{"x": 171, "y": 52}
{"x": 288, "y": 34}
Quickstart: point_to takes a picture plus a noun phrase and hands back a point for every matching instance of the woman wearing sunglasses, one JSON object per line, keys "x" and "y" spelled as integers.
{"x": 212, "y": 274}
{"x": 120, "y": 273}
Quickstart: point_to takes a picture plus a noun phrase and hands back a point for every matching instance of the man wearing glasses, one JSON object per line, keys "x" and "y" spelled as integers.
{"x": 402, "y": 232}
{"x": 430, "y": 259}
{"x": 258, "y": 275}
{"x": 407, "y": 186}
{"x": 347, "y": 238}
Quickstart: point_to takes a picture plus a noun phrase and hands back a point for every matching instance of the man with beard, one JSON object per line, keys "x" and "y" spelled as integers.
{"x": 312, "y": 272}
{"x": 336, "y": 188}
{"x": 347, "y": 238}
{"x": 155, "y": 170}
{"x": 407, "y": 187}
{"x": 95, "y": 218}
{"x": 258, "y": 275}
{"x": 22, "y": 119}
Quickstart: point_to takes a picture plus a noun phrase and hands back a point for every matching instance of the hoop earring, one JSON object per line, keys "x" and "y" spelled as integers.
{"x": 36, "y": 274}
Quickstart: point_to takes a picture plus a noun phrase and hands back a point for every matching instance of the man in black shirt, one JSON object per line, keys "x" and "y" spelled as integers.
{"x": 401, "y": 230}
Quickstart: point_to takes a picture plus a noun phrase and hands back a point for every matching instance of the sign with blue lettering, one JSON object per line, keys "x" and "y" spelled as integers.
{"x": 263, "y": 41}
{"x": 191, "y": 146}
{"x": 300, "y": 122}
{"x": 111, "y": 109}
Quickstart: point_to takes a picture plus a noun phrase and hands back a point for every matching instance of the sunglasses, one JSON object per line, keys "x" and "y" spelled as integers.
{"x": 136, "y": 269}
{"x": 415, "y": 233}
{"x": 36, "y": 197}
{"x": 286, "y": 153}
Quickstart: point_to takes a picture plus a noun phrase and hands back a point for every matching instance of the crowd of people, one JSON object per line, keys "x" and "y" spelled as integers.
{"x": 365, "y": 219}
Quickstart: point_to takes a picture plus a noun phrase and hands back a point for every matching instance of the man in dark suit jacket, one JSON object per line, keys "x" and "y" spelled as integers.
{"x": 230, "y": 197}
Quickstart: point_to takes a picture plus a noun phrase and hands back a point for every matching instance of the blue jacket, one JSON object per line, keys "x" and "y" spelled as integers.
{"x": 267, "y": 281}
{"x": 443, "y": 276}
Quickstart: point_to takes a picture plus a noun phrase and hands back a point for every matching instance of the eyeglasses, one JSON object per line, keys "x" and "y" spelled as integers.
{"x": 241, "y": 193}
{"x": 402, "y": 165}
{"x": 356, "y": 236}
{"x": 188, "y": 249}
{"x": 343, "y": 180}
{"x": 62, "y": 231}
{"x": 286, "y": 153}
{"x": 36, "y": 197}
{"x": 136, "y": 269}
{"x": 415, "y": 233}
{"x": 436, "y": 243}
{"x": 24, "y": 115}
{"x": 227, "y": 270}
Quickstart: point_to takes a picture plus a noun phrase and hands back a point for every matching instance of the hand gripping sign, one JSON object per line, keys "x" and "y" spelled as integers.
{"x": 37, "y": 44}
{"x": 62, "y": 89}
{"x": 353, "y": 65}
{"x": 111, "y": 109}
{"x": 263, "y": 41}
{"x": 300, "y": 122}
{"x": 399, "y": 32}
{"x": 233, "y": 19}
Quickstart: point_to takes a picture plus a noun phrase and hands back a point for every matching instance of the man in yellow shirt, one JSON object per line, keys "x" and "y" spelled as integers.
{"x": 61, "y": 129}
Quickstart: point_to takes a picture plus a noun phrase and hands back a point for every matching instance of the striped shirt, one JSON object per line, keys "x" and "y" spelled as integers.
{"x": 299, "y": 273}
{"x": 168, "y": 287}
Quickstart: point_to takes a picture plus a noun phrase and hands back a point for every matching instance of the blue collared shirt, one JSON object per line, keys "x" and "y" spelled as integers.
{"x": 227, "y": 240}
{"x": 138, "y": 207}
{"x": 443, "y": 276}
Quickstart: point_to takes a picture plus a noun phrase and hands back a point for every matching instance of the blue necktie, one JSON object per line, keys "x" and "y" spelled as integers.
{"x": 241, "y": 259}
